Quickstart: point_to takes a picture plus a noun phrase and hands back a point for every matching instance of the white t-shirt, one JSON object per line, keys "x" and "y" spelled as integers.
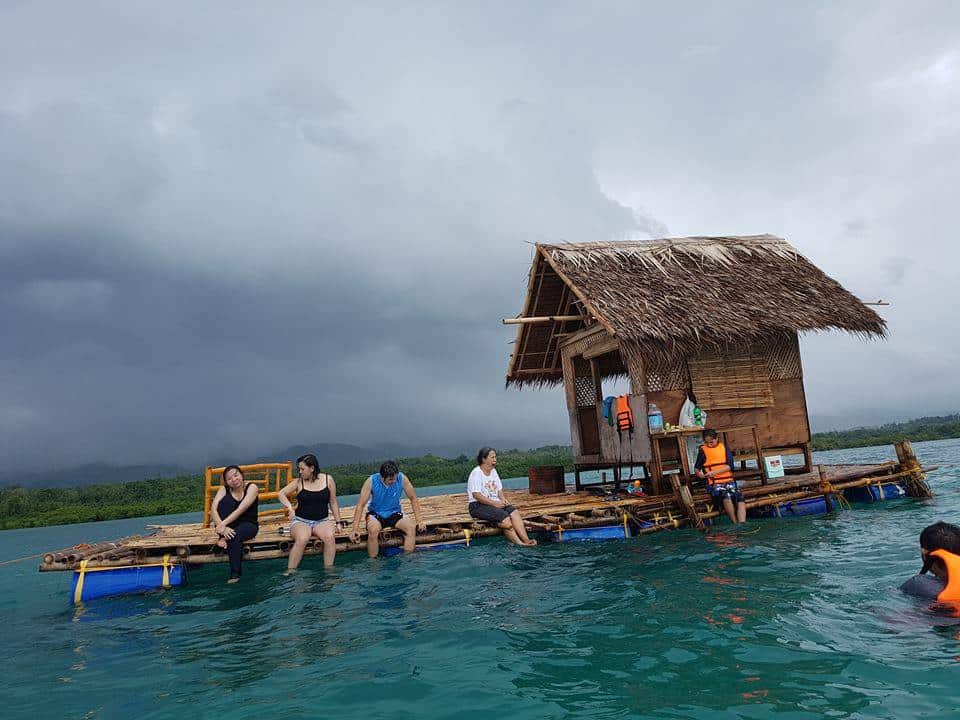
{"x": 487, "y": 485}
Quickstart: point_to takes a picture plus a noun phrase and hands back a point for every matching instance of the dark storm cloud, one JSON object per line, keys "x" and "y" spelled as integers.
{"x": 225, "y": 229}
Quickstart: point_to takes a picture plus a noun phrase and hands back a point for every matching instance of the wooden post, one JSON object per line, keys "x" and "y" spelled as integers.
{"x": 761, "y": 465}
{"x": 826, "y": 488}
{"x": 685, "y": 500}
{"x": 915, "y": 480}
{"x": 807, "y": 458}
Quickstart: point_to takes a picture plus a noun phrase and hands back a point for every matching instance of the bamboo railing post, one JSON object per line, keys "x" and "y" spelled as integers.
{"x": 207, "y": 478}
{"x": 916, "y": 480}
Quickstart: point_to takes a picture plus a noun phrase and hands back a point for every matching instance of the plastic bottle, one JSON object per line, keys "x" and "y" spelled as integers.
{"x": 697, "y": 416}
{"x": 654, "y": 418}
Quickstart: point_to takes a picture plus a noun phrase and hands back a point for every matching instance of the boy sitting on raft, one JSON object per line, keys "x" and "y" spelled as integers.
{"x": 940, "y": 553}
{"x": 715, "y": 465}
{"x": 383, "y": 490}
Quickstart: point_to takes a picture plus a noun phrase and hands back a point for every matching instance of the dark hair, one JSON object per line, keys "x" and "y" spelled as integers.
{"x": 389, "y": 468}
{"x": 483, "y": 452}
{"x": 228, "y": 468}
{"x": 709, "y": 433}
{"x": 310, "y": 460}
{"x": 939, "y": 536}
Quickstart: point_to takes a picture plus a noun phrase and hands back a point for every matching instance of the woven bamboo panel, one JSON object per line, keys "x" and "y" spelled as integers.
{"x": 666, "y": 375}
{"x": 586, "y": 392}
{"x": 783, "y": 356}
{"x": 731, "y": 382}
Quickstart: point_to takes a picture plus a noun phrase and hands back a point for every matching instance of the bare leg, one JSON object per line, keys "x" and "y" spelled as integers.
{"x": 509, "y": 532}
{"x": 301, "y": 536}
{"x": 409, "y": 528}
{"x": 324, "y": 532}
{"x": 728, "y": 509}
{"x": 517, "y": 520}
{"x": 741, "y": 511}
{"x": 373, "y": 536}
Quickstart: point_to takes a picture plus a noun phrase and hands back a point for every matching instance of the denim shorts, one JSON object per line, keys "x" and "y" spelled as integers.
{"x": 309, "y": 523}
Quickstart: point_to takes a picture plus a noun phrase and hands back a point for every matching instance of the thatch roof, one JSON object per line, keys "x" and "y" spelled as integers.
{"x": 679, "y": 296}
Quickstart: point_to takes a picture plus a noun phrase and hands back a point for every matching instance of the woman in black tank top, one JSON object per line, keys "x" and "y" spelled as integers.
{"x": 234, "y": 515}
{"x": 316, "y": 494}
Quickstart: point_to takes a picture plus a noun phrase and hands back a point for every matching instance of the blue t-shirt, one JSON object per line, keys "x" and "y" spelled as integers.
{"x": 385, "y": 499}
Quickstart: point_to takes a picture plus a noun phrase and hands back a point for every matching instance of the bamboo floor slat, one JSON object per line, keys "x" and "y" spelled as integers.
{"x": 446, "y": 518}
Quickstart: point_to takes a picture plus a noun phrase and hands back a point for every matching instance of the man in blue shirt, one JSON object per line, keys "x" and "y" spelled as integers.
{"x": 380, "y": 495}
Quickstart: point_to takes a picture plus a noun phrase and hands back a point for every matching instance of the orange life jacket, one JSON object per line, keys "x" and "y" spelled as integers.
{"x": 624, "y": 414}
{"x": 716, "y": 456}
{"x": 951, "y": 593}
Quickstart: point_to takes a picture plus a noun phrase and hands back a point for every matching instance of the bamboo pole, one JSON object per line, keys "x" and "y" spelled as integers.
{"x": 543, "y": 319}
{"x": 916, "y": 479}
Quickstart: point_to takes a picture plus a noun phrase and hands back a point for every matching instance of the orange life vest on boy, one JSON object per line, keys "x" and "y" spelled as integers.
{"x": 951, "y": 593}
{"x": 716, "y": 456}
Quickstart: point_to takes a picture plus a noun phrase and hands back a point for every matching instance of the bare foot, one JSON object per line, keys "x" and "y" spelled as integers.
{"x": 530, "y": 543}
{"x": 233, "y": 580}
{"x": 221, "y": 543}
{"x": 290, "y": 571}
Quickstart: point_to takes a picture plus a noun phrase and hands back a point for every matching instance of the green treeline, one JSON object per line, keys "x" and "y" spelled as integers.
{"x": 22, "y": 507}
{"x": 925, "y": 428}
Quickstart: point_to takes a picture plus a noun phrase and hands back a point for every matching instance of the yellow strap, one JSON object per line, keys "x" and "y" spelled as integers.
{"x": 626, "y": 532}
{"x": 560, "y": 532}
{"x": 466, "y": 536}
{"x": 671, "y": 518}
{"x": 166, "y": 571}
{"x": 78, "y": 591}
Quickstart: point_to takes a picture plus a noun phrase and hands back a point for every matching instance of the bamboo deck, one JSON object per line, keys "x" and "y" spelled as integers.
{"x": 447, "y": 519}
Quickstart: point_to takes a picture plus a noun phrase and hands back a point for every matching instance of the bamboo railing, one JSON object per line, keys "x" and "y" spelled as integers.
{"x": 269, "y": 477}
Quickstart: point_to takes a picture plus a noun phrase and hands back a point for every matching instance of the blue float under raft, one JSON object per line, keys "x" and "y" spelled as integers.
{"x": 620, "y": 531}
{"x": 394, "y": 550}
{"x": 98, "y": 582}
{"x": 877, "y": 492}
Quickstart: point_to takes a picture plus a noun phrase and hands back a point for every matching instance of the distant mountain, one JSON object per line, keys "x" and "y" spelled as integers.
{"x": 92, "y": 474}
{"x": 327, "y": 453}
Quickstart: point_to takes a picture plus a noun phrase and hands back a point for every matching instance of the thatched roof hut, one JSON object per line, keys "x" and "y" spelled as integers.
{"x": 703, "y": 315}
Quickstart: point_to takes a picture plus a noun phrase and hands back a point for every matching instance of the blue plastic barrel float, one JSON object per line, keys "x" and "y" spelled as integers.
{"x": 620, "y": 531}
{"x": 98, "y": 582}
{"x": 875, "y": 493}
{"x": 793, "y": 508}
{"x": 448, "y": 545}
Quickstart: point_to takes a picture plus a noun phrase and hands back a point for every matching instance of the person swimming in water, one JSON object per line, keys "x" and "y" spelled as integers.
{"x": 939, "y": 548}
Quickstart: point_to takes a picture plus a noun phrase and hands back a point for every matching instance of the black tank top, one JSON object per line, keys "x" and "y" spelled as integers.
{"x": 313, "y": 504}
{"x": 229, "y": 503}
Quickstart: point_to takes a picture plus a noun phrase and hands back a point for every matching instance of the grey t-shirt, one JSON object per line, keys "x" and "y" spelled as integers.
{"x": 924, "y": 586}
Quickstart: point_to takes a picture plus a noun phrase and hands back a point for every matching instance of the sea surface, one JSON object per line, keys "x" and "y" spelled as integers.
{"x": 796, "y": 618}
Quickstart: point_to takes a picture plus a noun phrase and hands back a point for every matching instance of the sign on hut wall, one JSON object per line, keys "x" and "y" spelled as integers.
{"x": 727, "y": 382}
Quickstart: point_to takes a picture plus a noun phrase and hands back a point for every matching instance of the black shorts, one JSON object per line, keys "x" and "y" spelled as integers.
{"x": 489, "y": 513}
{"x": 389, "y": 521}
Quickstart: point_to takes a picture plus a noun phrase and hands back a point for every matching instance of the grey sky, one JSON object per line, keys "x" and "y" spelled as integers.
{"x": 229, "y": 230}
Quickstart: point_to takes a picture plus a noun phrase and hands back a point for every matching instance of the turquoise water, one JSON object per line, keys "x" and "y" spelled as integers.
{"x": 791, "y": 619}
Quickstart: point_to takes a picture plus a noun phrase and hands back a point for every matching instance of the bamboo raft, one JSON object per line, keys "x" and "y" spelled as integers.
{"x": 447, "y": 519}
